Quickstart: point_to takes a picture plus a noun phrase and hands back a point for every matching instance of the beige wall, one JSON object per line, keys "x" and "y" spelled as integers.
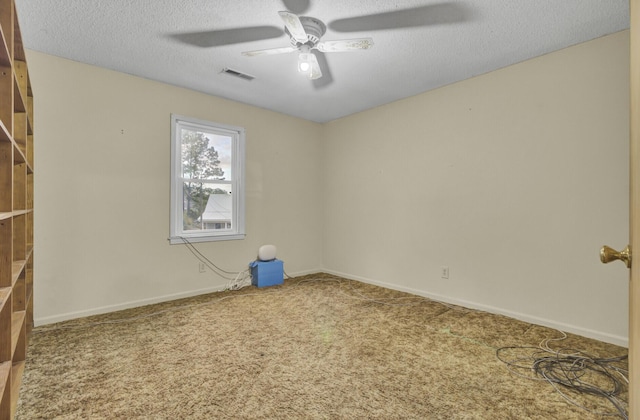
{"x": 102, "y": 190}
{"x": 513, "y": 179}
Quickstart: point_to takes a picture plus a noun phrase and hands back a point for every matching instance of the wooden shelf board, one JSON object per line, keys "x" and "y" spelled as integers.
{"x": 21, "y": 212}
{"x": 16, "y": 380}
{"x": 18, "y": 48}
{"x": 4, "y": 133}
{"x": 18, "y": 155}
{"x": 16, "y": 328}
{"x": 16, "y": 269}
{"x": 18, "y": 97}
{"x": 10, "y": 214}
{"x": 5, "y": 58}
{"x": 5, "y": 292}
{"x": 5, "y": 371}
{"x": 16, "y": 324}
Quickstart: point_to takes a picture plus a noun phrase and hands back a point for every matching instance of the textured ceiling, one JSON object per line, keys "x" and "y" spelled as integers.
{"x": 419, "y": 45}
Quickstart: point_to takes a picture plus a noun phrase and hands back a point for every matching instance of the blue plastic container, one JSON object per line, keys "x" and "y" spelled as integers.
{"x": 267, "y": 273}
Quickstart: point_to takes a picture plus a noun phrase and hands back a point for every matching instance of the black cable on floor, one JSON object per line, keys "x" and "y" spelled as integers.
{"x": 574, "y": 370}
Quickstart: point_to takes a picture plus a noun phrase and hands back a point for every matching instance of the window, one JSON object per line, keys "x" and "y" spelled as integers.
{"x": 207, "y": 188}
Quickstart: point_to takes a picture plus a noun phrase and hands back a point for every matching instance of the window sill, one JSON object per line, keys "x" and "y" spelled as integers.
{"x": 177, "y": 240}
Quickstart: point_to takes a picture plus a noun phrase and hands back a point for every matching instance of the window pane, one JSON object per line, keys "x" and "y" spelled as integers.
{"x": 206, "y": 206}
{"x": 206, "y": 155}
{"x": 207, "y": 165}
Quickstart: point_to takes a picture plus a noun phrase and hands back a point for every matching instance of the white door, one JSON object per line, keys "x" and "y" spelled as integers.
{"x": 634, "y": 217}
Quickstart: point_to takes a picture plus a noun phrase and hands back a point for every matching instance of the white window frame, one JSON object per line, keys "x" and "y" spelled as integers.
{"x": 237, "y": 134}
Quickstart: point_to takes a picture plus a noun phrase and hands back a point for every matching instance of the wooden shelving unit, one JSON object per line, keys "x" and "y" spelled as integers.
{"x": 16, "y": 209}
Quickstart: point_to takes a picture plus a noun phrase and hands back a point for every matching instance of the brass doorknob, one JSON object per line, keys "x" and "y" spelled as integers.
{"x": 609, "y": 254}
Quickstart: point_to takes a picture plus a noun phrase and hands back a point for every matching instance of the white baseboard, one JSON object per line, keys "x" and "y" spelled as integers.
{"x": 125, "y": 305}
{"x": 304, "y": 273}
{"x": 141, "y": 302}
{"x": 584, "y": 332}
{"x": 598, "y": 335}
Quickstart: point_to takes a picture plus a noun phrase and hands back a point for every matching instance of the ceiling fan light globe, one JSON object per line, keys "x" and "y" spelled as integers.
{"x": 304, "y": 67}
{"x": 304, "y": 63}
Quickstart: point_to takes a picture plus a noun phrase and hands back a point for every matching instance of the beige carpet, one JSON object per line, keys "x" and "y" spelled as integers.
{"x": 317, "y": 347}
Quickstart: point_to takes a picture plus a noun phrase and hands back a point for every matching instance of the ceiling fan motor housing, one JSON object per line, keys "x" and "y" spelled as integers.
{"x": 314, "y": 28}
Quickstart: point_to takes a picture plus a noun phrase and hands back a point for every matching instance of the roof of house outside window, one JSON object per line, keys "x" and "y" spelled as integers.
{"x": 218, "y": 209}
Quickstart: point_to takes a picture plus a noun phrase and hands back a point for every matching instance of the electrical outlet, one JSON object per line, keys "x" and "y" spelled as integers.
{"x": 444, "y": 272}
{"x": 201, "y": 267}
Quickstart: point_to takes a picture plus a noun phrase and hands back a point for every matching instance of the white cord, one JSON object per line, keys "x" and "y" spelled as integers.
{"x": 242, "y": 280}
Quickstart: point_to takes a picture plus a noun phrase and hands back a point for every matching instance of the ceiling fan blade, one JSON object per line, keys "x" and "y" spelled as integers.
{"x": 293, "y": 24}
{"x": 296, "y": 6}
{"x": 432, "y": 14}
{"x": 345, "y": 45}
{"x": 327, "y": 77}
{"x": 315, "y": 72}
{"x": 208, "y": 39}
{"x": 270, "y": 51}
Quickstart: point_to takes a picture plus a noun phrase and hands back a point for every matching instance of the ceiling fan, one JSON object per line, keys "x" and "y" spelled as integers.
{"x": 305, "y": 33}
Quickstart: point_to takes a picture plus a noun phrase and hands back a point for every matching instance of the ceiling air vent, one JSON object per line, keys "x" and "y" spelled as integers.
{"x": 236, "y": 73}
